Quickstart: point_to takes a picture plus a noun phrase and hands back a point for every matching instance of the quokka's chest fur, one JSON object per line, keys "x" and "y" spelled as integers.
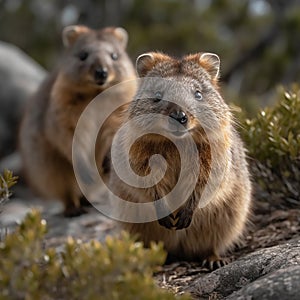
{"x": 144, "y": 149}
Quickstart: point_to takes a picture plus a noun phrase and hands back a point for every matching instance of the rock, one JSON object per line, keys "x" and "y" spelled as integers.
{"x": 19, "y": 78}
{"x": 86, "y": 227}
{"x": 270, "y": 273}
{"x": 12, "y": 162}
{"x": 281, "y": 284}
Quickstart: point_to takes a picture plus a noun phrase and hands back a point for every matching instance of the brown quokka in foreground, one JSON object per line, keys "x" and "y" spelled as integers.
{"x": 94, "y": 61}
{"x": 194, "y": 231}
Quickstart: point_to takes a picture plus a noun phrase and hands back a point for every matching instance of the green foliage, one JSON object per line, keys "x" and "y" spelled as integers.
{"x": 273, "y": 140}
{"x": 274, "y": 134}
{"x": 263, "y": 35}
{"x": 118, "y": 269}
{"x": 7, "y": 180}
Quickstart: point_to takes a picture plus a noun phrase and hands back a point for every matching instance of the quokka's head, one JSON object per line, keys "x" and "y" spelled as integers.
{"x": 96, "y": 58}
{"x": 179, "y": 96}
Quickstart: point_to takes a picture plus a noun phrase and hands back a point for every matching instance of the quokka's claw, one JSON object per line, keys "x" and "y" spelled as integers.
{"x": 214, "y": 262}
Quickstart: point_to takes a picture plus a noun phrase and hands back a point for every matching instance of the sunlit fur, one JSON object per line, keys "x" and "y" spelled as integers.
{"x": 218, "y": 225}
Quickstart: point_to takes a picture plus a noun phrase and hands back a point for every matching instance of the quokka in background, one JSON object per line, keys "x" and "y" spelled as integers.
{"x": 94, "y": 61}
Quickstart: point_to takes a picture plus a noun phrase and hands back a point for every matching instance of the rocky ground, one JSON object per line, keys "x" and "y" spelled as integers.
{"x": 271, "y": 245}
{"x": 266, "y": 265}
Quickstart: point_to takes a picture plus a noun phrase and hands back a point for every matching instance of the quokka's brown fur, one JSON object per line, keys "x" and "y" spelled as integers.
{"x": 191, "y": 232}
{"x": 94, "y": 61}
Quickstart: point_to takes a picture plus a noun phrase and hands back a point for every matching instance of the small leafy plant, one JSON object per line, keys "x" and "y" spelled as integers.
{"x": 7, "y": 180}
{"x": 273, "y": 141}
{"x": 118, "y": 269}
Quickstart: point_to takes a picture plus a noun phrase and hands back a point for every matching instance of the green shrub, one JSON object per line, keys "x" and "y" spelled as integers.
{"x": 273, "y": 141}
{"x": 118, "y": 269}
{"x": 7, "y": 180}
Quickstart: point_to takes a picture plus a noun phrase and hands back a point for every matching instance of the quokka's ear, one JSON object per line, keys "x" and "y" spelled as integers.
{"x": 121, "y": 35}
{"x": 71, "y": 33}
{"x": 145, "y": 62}
{"x": 211, "y": 63}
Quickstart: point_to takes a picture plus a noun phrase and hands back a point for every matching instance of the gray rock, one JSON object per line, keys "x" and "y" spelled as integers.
{"x": 19, "y": 78}
{"x": 12, "y": 162}
{"x": 282, "y": 284}
{"x": 270, "y": 273}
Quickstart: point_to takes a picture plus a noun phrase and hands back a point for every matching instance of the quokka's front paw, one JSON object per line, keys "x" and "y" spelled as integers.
{"x": 180, "y": 220}
{"x": 184, "y": 217}
{"x": 168, "y": 222}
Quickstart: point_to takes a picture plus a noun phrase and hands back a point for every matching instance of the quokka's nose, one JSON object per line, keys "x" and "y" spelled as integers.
{"x": 101, "y": 74}
{"x": 178, "y": 116}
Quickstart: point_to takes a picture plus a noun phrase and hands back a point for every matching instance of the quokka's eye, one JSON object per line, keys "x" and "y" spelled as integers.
{"x": 198, "y": 95}
{"x": 83, "y": 55}
{"x": 114, "y": 56}
{"x": 158, "y": 96}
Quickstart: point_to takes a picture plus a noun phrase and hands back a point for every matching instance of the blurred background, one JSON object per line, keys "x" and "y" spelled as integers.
{"x": 258, "y": 40}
